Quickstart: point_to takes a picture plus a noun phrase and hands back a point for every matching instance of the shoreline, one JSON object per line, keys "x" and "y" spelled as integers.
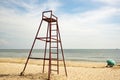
{"x": 39, "y": 62}
{"x": 69, "y": 63}
{"x": 73, "y": 60}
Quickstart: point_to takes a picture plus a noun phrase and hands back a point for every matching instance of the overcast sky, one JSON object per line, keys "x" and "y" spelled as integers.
{"x": 84, "y": 24}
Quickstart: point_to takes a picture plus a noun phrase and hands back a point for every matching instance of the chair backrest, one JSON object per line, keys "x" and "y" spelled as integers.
{"x": 48, "y": 14}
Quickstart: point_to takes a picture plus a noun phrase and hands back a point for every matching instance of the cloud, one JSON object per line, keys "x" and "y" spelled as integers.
{"x": 90, "y": 28}
{"x": 29, "y": 6}
{"x": 13, "y": 16}
{"x": 88, "y": 18}
{"x": 108, "y": 2}
{"x": 19, "y": 20}
{"x": 3, "y": 42}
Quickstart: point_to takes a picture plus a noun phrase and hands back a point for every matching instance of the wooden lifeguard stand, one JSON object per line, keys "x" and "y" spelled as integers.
{"x": 53, "y": 44}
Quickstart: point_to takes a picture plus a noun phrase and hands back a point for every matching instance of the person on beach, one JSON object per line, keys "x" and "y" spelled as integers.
{"x": 110, "y": 63}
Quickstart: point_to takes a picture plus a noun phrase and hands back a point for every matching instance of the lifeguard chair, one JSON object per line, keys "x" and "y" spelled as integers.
{"x": 53, "y": 44}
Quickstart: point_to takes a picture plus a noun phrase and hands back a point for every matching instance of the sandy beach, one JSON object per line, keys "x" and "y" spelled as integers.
{"x": 10, "y": 69}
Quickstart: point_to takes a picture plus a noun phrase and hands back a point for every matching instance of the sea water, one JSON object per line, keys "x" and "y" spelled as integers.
{"x": 97, "y": 55}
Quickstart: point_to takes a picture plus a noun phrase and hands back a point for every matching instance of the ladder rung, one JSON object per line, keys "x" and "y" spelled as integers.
{"x": 53, "y": 35}
{"x": 53, "y": 47}
{"x": 53, "y": 24}
{"x": 53, "y": 70}
{"x": 53, "y": 41}
{"x": 35, "y": 58}
{"x": 44, "y": 58}
{"x": 54, "y": 64}
{"x": 54, "y": 52}
{"x": 54, "y": 30}
{"x": 56, "y": 41}
{"x": 38, "y": 58}
{"x": 54, "y": 59}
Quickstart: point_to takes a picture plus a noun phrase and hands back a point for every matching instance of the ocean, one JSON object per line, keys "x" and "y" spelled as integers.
{"x": 95, "y": 55}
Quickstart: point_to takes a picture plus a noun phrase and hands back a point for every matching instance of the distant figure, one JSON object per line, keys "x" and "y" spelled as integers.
{"x": 110, "y": 63}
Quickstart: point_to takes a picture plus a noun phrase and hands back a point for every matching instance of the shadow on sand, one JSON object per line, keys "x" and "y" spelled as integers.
{"x": 38, "y": 76}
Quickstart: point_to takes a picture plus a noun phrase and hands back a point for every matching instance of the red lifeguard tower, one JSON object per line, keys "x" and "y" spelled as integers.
{"x": 52, "y": 42}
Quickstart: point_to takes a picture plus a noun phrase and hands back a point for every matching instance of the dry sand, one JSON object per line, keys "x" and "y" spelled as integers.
{"x": 10, "y": 69}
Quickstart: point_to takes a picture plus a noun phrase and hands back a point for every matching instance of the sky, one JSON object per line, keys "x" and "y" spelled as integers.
{"x": 84, "y": 24}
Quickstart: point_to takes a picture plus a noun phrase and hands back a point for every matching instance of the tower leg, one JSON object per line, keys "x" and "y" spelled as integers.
{"x": 49, "y": 70}
{"x": 27, "y": 59}
{"x": 31, "y": 49}
{"x": 62, "y": 52}
{"x": 45, "y": 49}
